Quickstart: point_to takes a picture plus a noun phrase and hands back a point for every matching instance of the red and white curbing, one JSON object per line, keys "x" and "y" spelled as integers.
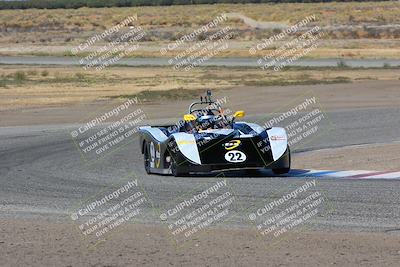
{"x": 353, "y": 174}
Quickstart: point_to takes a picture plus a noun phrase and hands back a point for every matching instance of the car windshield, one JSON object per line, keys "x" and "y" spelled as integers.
{"x": 208, "y": 122}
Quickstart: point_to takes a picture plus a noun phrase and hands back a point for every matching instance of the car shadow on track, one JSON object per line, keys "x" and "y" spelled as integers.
{"x": 295, "y": 173}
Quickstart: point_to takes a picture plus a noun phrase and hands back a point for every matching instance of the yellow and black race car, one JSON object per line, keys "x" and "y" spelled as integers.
{"x": 208, "y": 140}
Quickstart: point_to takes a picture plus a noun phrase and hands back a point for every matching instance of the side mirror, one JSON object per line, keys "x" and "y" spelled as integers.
{"x": 189, "y": 117}
{"x": 239, "y": 114}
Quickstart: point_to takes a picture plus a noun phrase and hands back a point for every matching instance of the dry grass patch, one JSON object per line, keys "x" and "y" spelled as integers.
{"x": 25, "y": 86}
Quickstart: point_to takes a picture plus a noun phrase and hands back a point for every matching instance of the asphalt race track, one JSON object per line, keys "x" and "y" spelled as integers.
{"x": 42, "y": 174}
{"x": 231, "y": 62}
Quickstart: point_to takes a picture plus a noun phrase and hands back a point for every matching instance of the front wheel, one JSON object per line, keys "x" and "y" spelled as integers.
{"x": 176, "y": 170}
{"x": 281, "y": 170}
{"x": 285, "y": 161}
{"x": 146, "y": 159}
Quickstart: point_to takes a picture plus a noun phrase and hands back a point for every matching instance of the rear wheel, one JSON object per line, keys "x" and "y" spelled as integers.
{"x": 146, "y": 158}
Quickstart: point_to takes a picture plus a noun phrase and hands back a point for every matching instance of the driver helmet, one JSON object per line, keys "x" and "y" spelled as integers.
{"x": 205, "y": 122}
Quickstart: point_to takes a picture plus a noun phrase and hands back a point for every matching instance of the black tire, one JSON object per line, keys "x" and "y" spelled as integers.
{"x": 287, "y": 169}
{"x": 281, "y": 170}
{"x": 176, "y": 171}
{"x": 146, "y": 159}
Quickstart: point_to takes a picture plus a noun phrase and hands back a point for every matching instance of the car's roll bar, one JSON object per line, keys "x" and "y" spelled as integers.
{"x": 206, "y": 100}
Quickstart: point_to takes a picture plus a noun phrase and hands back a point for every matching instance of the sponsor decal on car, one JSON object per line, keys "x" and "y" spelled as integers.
{"x": 231, "y": 144}
{"x": 235, "y": 156}
{"x": 186, "y": 142}
{"x": 277, "y": 137}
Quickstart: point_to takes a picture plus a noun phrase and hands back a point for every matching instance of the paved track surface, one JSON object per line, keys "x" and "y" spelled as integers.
{"x": 230, "y": 62}
{"x": 42, "y": 174}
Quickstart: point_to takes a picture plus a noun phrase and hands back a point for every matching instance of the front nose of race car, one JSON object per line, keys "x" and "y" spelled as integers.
{"x": 235, "y": 152}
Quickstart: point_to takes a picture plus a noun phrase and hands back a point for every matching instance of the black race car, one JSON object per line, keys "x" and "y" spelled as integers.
{"x": 208, "y": 139}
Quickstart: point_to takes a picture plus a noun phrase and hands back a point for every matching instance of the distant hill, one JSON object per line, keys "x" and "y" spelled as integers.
{"x": 52, "y": 4}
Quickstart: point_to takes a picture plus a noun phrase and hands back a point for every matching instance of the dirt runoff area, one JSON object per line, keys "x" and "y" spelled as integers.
{"x": 255, "y": 100}
{"x": 357, "y": 157}
{"x": 43, "y": 243}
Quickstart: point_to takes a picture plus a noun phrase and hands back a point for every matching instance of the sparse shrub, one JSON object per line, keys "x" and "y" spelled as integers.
{"x": 32, "y": 72}
{"x": 342, "y": 64}
{"x": 3, "y": 82}
{"x": 19, "y": 76}
{"x": 45, "y": 73}
{"x": 381, "y": 18}
{"x": 304, "y": 76}
{"x": 80, "y": 76}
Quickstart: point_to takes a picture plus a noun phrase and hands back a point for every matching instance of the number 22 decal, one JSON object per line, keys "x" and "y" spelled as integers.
{"x": 235, "y": 156}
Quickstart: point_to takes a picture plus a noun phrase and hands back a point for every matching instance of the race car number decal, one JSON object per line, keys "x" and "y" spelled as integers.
{"x": 235, "y": 156}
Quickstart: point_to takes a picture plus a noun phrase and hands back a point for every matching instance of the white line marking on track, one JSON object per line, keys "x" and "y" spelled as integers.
{"x": 346, "y": 174}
